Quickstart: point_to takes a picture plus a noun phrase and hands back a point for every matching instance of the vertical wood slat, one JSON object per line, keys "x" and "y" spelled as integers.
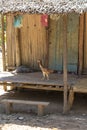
{"x": 18, "y": 56}
{"x": 65, "y": 108}
{"x": 47, "y": 45}
{"x": 85, "y": 45}
{"x": 23, "y": 40}
{"x": 10, "y": 41}
{"x": 3, "y": 44}
{"x": 13, "y": 40}
{"x": 52, "y": 40}
{"x": 59, "y": 42}
{"x": 81, "y": 37}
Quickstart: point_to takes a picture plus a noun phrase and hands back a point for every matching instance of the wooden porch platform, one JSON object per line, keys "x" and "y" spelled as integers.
{"x": 33, "y": 80}
{"x": 80, "y": 86}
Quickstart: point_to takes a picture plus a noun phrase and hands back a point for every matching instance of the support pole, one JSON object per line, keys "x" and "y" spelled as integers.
{"x": 81, "y": 38}
{"x": 3, "y": 43}
{"x": 71, "y": 99}
{"x": 65, "y": 108}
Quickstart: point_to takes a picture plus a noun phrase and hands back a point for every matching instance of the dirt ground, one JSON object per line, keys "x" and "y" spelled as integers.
{"x": 24, "y": 117}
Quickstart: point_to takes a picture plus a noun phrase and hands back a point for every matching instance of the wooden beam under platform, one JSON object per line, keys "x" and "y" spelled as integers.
{"x": 31, "y": 86}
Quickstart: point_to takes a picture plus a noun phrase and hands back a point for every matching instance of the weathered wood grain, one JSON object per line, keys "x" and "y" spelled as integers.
{"x": 85, "y": 45}
{"x": 3, "y": 43}
{"x": 81, "y": 41}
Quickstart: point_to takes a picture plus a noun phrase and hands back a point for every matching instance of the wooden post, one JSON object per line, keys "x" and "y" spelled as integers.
{"x": 65, "y": 108}
{"x": 40, "y": 110}
{"x": 71, "y": 99}
{"x": 81, "y": 34}
{"x": 18, "y": 55}
{"x": 3, "y": 44}
{"x": 8, "y": 107}
{"x": 5, "y": 87}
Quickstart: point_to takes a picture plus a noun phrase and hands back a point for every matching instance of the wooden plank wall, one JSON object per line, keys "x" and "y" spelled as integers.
{"x": 33, "y": 41}
{"x": 56, "y": 42}
{"x": 72, "y": 41}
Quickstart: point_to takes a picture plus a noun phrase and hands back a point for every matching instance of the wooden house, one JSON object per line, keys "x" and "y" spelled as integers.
{"x": 51, "y": 30}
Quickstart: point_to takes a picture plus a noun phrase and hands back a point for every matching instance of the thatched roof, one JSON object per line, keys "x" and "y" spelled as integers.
{"x": 43, "y": 6}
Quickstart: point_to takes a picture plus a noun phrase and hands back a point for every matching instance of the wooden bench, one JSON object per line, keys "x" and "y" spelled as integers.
{"x": 9, "y": 105}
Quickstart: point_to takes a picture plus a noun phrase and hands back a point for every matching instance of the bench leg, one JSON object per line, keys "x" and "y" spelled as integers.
{"x": 70, "y": 99}
{"x": 5, "y": 87}
{"x": 8, "y": 107}
{"x": 40, "y": 110}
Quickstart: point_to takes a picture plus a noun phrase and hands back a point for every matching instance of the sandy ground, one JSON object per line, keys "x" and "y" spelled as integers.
{"x": 25, "y": 117}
